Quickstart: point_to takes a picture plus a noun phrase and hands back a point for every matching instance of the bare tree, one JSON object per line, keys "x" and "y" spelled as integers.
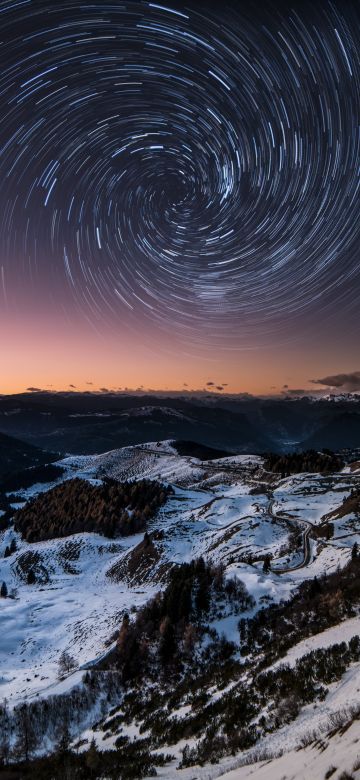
{"x": 66, "y": 664}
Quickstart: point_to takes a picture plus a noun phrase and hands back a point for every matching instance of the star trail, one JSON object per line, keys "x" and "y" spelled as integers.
{"x": 186, "y": 167}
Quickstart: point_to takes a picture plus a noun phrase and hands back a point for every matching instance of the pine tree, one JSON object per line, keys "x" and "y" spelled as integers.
{"x": 63, "y": 738}
{"x": 3, "y": 591}
{"x": 190, "y": 638}
{"x": 123, "y": 633}
{"x": 314, "y": 587}
{"x": 184, "y": 602}
{"x": 167, "y": 647}
{"x": 202, "y": 598}
{"x": 267, "y": 564}
{"x": 92, "y": 758}
{"x": 355, "y": 551}
{"x": 5, "y": 734}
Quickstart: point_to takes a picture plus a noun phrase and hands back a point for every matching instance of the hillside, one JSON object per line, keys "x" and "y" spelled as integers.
{"x": 175, "y": 639}
{"x": 338, "y": 432}
{"x": 199, "y": 451}
{"x": 18, "y": 455}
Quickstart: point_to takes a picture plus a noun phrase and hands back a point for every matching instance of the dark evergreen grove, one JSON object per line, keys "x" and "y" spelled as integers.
{"x": 325, "y": 462}
{"x": 112, "y": 509}
{"x": 167, "y": 629}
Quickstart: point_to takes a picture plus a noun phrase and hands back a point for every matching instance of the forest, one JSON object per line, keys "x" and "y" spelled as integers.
{"x": 111, "y": 509}
{"x": 167, "y": 629}
{"x": 310, "y": 461}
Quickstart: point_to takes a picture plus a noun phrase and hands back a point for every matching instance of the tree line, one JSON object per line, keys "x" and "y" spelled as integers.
{"x": 310, "y": 461}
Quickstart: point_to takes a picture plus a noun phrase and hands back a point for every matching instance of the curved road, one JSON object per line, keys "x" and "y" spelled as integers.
{"x": 306, "y": 541}
{"x": 276, "y": 517}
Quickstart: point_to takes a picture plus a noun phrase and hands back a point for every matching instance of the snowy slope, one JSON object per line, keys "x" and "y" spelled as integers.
{"x": 227, "y": 510}
{"x": 77, "y": 610}
{"x": 213, "y": 513}
{"x": 339, "y": 752}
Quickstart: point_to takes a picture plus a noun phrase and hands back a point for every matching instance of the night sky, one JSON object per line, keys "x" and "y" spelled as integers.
{"x": 179, "y": 194}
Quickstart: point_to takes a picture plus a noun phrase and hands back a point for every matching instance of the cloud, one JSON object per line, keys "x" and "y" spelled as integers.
{"x": 286, "y": 387}
{"x": 73, "y": 386}
{"x": 220, "y": 387}
{"x": 347, "y": 382}
{"x": 104, "y": 390}
{"x": 89, "y": 383}
{"x": 34, "y": 390}
{"x": 296, "y": 392}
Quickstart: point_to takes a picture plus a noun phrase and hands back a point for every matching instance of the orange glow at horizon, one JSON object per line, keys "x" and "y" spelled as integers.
{"x": 55, "y": 355}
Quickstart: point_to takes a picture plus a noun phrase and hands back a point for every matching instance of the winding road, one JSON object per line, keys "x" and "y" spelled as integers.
{"x": 291, "y": 521}
{"x": 294, "y": 522}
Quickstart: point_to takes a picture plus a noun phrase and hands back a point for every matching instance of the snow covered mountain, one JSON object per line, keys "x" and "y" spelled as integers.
{"x": 274, "y": 534}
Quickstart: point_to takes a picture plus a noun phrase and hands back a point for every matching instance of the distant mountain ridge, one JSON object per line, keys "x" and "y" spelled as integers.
{"x": 87, "y": 423}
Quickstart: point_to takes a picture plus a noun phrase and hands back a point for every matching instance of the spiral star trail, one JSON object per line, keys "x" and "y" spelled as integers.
{"x": 181, "y": 167}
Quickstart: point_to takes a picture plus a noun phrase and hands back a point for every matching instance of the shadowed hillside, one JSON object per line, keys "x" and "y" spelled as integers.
{"x": 17, "y": 455}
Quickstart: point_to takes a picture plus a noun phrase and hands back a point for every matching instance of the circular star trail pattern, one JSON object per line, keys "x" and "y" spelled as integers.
{"x": 191, "y": 168}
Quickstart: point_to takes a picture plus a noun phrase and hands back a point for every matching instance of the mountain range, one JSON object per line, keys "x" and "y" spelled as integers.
{"x": 86, "y": 423}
